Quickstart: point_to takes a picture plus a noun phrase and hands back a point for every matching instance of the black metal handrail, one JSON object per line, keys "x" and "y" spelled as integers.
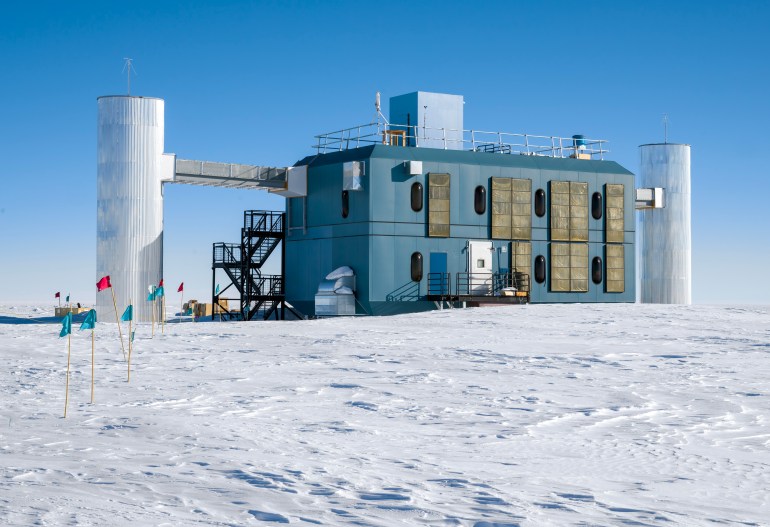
{"x": 263, "y": 220}
{"x": 410, "y": 291}
{"x": 516, "y": 280}
{"x": 483, "y": 284}
{"x": 474, "y": 284}
{"x": 227, "y": 253}
{"x": 439, "y": 284}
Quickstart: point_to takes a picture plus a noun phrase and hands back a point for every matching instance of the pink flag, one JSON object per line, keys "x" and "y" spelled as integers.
{"x": 104, "y": 283}
{"x": 57, "y": 295}
{"x": 161, "y": 283}
{"x": 181, "y": 288}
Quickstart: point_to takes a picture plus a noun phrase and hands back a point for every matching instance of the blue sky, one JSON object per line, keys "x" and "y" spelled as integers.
{"x": 252, "y": 82}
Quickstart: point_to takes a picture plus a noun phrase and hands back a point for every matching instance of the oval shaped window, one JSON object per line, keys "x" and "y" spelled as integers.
{"x": 345, "y": 203}
{"x": 596, "y": 270}
{"x": 480, "y": 200}
{"x": 416, "y": 267}
{"x": 597, "y": 207}
{"x": 540, "y": 269}
{"x": 540, "y": 203}
{"x": 416, "y": 197}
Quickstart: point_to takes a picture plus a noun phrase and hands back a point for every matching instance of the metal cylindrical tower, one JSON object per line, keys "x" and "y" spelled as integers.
{"x": 664, "y": 235}
{"x": 129, "y": 201}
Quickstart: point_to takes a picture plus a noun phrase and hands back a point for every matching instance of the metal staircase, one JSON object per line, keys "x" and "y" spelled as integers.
{"x": 260, "y": 296}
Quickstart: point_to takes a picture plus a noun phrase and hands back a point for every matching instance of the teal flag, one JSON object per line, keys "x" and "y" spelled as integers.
{"x": 150, "y": 297}
{"x": 159, "y": 292}
{"x": 90, "y": 321}
{"x": 216, "y": 291}
{"x": 128, "y": 314}
{"x": 68, "y": 298}
{"x": 66, "y": 325}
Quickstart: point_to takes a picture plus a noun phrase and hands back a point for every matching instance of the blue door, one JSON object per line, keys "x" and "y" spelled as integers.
{"x": 438, "y": 279}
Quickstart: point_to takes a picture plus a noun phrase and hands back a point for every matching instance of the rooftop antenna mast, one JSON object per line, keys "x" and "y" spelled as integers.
{"x": 127, "y": 67}
{"x": 665, "y": 128}
{"x": 377, "y": 107}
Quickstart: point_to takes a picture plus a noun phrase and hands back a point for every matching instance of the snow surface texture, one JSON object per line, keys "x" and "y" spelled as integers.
{"x": 520, "y": 415}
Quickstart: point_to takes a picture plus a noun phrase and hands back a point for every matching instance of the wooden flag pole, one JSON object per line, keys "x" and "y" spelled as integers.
{"x": 67, "y": 385}
{"x": 129, "y": 345}
{"x": 152, "y": 309}
{"x": 92, "y": 365}
{"x": 117, "y": 319}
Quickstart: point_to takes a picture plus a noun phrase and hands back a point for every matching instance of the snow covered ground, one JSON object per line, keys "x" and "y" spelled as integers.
{"x": 522, "y": 415}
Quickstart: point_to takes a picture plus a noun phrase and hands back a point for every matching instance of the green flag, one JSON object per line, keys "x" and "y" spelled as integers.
{"x": 128, "y": 314}
{"x": 66, "y": 325}
{"x": 90, "y": 321}
{"x": 216, "y": 291}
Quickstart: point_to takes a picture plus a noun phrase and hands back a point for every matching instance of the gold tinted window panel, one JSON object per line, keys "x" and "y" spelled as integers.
{"x": 616, "y": 272}
{"x": 511, "y": 209}
{"x": 560, "y": 267}
{"x": 438, "y": 205}
{"x": 578, "y": 213}
{"x": 560, "y": 210}
{"x": 614, "y": 224}
{"x": 521, "y": 257}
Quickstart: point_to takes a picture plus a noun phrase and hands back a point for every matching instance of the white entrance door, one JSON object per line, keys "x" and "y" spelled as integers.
{"x": 480, "y": 267}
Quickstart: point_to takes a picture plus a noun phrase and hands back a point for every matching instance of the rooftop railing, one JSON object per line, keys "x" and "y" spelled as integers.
{"x": 378, "y": 133}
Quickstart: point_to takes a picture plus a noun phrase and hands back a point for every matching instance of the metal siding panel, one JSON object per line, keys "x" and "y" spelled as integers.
{"x": 129, "y": 232}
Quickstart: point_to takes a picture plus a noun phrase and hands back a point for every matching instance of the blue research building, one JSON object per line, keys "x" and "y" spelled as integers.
{"x": 427, "y": 214}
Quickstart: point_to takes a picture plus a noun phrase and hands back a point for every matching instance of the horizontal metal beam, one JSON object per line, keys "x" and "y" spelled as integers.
{"x": 230, "y": 175}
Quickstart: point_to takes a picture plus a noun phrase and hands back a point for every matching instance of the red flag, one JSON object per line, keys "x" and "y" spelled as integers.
{"x": 181, "y": 288}
{"x": 57, "y": 295}
{"x": 161, "y": 283}
{"x": 104, "y": 283}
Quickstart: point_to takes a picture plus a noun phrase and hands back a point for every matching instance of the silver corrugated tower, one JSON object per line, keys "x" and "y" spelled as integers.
{"x": 664, "y": 234}
{"x": 129, "y": 216}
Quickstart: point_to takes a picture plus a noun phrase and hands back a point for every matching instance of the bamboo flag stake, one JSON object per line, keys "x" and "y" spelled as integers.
{"x": 160, "y": 292}
{"x": 101, "y": 285}
{"x": 181, "y": 302}
{"x": 120, "y": 331}
{"x": 93, "y": 345}
{"x": 67, "y": 385}
{"x": 90, "y": 323}
{"x": 130, "y": 339}
{"x": 128, "y": 315}
{"x": 66, "y": 329}
{"x": 151, "y": 298}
